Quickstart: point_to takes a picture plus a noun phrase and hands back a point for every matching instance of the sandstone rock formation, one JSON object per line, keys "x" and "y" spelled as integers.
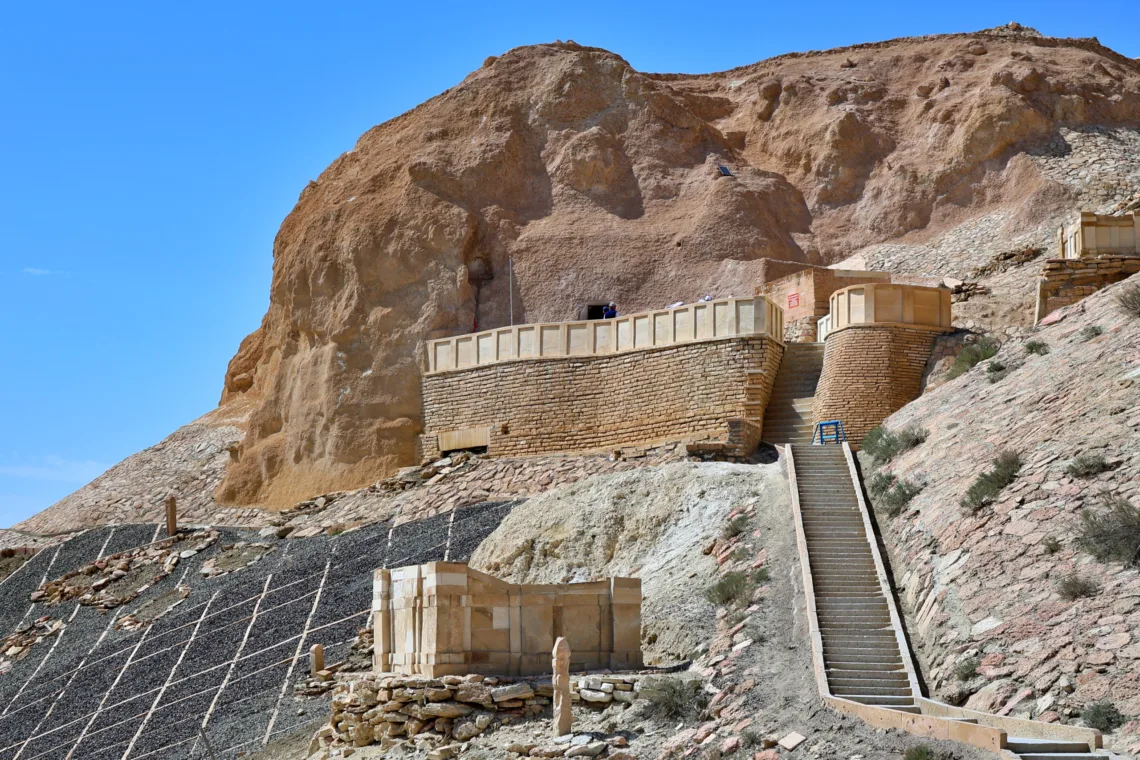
{"x": 601, "y": 182}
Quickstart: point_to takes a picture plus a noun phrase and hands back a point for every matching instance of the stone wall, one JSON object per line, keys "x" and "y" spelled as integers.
{"x": 444, "y": 618}
{"x": 870, "y": 372}
{"x": 686, "y": 392}
{"x": 1066, "y": 281}
{"x": 804, "y": 296}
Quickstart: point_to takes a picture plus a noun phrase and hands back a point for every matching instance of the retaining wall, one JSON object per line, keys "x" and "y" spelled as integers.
{"x": 1066, "y": 281}
{"x": 695, "y": 391}
{"x": 870, "y": 372}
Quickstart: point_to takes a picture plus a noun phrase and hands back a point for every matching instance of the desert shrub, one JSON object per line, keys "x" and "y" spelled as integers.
{"x": 732, "y": 587}
{"x": 990, "y": 483}
{"x": 997, "y": 370}
{"x": 884, "y": 445}
{"x": 762, "y": 574}
{"x": 1128, "y": 299}
{"x": 678, "y": 699}
{"x": 1073, "y": 586}
{"x": 750, "y": 737}
{"x": 734, "y": 527}
{"x": 1036, "y": 347}
{"x": 899, "y": 496}
{"x": 1103, "y": 716}
{"x": 1088, "y": 332}
{"x": 986, "y": 348}
{"x": 922, "y": 752}
{"x": 967, "y": 668}
{"x": 880, "y": 482}
{"x": 1087, "y": 466}
{"x": 1111, "y": 534}
{"x": 1051, "y": 545}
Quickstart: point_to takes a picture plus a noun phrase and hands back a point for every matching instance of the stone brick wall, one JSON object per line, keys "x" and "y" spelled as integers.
{"x": 1066, "y": 281}
{"x": 686, "y": 392}
{"x": 870, "y": 372}
{"x": 804, "y": 296}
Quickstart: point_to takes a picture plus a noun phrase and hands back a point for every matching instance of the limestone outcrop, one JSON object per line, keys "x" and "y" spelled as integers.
{"x": 600, "y": 182}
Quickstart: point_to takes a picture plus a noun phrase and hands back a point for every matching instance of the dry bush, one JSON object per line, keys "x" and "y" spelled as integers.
{"x": 990, "y": 483}
{"x": 1111, "y": 534}
{"x": 1073, "y": 587}
{"x": 1087, "y": 466}
{"x": 1103, "y": 716}
{"x": 1128, "y": 299}
{"x": 986, "y": 348}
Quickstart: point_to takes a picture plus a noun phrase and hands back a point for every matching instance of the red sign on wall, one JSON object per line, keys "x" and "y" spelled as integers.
{"x": 793, "y": 300}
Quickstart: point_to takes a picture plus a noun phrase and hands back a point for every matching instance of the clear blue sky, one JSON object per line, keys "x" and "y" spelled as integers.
{"x": 150, "y": 150}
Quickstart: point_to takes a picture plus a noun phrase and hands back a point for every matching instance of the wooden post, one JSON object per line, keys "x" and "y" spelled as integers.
{"x": 316, "y": 659}
{"x": 171, "y": 515}
{"x": 560, "y": 665}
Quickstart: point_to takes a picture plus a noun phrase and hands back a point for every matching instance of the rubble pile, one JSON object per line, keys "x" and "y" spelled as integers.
{"x": 439, "y": 714}
{"x": 234, "y": 557}
{"x": 112, "y": 581}
{"x": 15, "y": 646}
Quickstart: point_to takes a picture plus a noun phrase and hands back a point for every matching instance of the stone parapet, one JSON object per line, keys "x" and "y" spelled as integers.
{"x": 1065, "y": 281}
{"x": 870, "y": 372}
{"x": 886, "y": 304}
{"x": 1099, "y": 234}
{"x": 705, "y": 320}
{"x": 444, "y": 618}
{"x": 687, "y": 392}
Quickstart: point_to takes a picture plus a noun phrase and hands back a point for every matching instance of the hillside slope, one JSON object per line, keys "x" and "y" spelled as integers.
{"x": 601, "y": 182}
{"x": 984, "y": 585}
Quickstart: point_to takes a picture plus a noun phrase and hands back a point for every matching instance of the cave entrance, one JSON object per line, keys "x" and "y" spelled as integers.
{"x": 593, "y": 310}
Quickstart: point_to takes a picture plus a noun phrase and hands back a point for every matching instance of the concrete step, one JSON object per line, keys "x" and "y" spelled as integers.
{"x": 873, "y": 691}
{"x": 1023, "y": 746}
{"x": 882, "y": 700}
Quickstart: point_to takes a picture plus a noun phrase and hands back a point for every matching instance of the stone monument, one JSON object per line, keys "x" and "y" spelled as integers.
{"x": 560, "y": 666}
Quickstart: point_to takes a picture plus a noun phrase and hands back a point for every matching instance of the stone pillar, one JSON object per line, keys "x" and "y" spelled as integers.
{"x": 1041, "y": 307}
{"x": 316, "y": 659}
{"x": 171, "y": 515}
{"x": 560, "y": 666}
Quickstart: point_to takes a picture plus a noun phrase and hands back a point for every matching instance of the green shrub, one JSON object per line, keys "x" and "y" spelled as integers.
{"x": 1074, "y": 586}
{"x": 1103, "y": 716}
{"x": 734, "y": 527}
{"x": 986, "y": 348}
{"x": 997, "y": 370}
{"x": 1036, "y": 347}
{"x": 967, "y": 668}
{"x": 883, "y": 445}
{"x": 732, "y": 587}
{"x": 1088, "y": 332}
{"x": 678, "y": 699}
{"x": 880, "y": 482}
{"x": 922, "y": 752}
{"x": 1128, "y": 299}
{"x": 990, "y": 483}
{"x": 1111, "y": 534}
{"x": 899, "y": 496}
{"x": 1051, "y": 545}
{"x": 762, "y": 574}
{"x": 1087, "y": 466}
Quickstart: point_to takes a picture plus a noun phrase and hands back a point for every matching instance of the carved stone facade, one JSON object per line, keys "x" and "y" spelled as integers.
{"x": 444, "y": 618}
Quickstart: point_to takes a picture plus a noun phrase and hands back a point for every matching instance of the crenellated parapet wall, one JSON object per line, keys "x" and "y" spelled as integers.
{"x": 1098, "y": 235}
{"x": 705, "y": 320}
{"x": 875, "y": 354}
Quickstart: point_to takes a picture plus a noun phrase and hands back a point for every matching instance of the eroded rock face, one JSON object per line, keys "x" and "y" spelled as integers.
{"x": 600, "y": 182}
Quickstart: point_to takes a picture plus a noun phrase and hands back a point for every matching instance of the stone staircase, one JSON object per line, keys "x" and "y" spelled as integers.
{"x": 860, "y": 647}
{"x": 787, "y": 418}
{"x": 860, "y": 650}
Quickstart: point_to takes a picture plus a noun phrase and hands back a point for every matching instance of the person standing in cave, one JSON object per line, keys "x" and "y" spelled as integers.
{"x": 610, "y": 311}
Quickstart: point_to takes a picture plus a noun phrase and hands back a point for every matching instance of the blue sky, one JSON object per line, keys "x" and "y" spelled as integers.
{"x": 150, "y": 151}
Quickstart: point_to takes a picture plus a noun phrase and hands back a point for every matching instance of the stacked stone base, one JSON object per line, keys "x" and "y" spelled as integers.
{"x": 1065, "y": 281}
{"x": 433, "y": 712}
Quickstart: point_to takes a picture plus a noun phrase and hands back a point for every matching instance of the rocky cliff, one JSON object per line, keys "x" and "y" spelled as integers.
{"x": 601, "y": 182}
